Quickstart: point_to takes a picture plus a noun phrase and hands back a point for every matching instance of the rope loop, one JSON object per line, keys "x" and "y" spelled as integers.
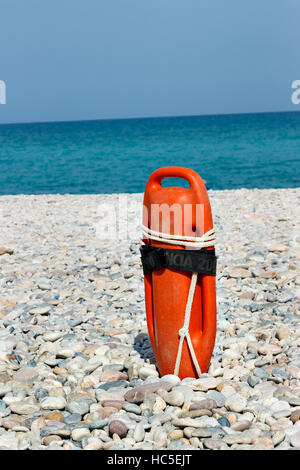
{"x": 206, "y": 240}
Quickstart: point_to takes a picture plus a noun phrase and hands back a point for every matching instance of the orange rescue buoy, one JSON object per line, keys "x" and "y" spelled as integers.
{"x": 179, "y": 266}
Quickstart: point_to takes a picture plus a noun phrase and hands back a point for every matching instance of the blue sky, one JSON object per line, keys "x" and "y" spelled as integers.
{"x": 97, "y": 59}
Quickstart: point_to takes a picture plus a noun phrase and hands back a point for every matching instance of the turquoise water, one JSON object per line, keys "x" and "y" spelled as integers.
{"x": 228, "y": 151}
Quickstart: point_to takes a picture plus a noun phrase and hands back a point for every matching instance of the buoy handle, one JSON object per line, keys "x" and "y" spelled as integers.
{"x": 154, "y": 182}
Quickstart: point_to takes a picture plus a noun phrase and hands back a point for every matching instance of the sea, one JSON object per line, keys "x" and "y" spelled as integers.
{"x": 117, "y": 156}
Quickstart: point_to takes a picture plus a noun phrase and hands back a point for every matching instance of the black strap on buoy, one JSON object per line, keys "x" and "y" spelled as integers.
{"x": 199, "y": 261}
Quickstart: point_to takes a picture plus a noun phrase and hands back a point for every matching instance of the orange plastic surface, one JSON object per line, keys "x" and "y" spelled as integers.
{"x": 166, "y": 290}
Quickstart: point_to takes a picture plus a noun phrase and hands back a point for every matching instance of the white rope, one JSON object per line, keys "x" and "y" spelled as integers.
{"x": 184, "y": 331}
{"x": 206, "y": 240}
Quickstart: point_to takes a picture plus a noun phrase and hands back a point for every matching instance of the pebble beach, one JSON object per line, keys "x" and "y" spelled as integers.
{"x": 77, "y": 370}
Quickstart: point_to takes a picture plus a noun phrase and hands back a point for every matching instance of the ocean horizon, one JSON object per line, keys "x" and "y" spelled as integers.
{"x": 229, "y": 151}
